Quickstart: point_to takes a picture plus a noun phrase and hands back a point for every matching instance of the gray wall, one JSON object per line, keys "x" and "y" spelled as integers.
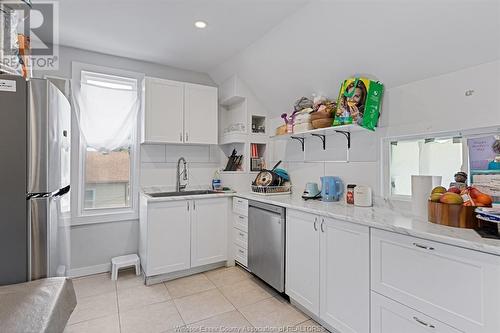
{"x": 93, "y": 245}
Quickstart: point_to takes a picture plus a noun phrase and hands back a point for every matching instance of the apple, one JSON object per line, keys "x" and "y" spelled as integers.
{"x": 454, "y": 189}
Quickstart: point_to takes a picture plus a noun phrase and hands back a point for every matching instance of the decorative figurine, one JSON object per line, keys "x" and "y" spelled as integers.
{"x": 460, "y": 180}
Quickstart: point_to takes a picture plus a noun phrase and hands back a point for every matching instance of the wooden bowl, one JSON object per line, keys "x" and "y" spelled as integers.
{"x": 281, "y": 130}
{"x": 322, "y": 123}
{"x": 457, "y": 216}
{"x": 320, "y": 115}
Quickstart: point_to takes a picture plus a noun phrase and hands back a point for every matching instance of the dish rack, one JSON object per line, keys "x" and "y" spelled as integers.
{"x": 272, "y": 190}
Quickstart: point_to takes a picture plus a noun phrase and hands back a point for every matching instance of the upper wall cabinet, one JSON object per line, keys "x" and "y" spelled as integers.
{"x": 200, "y": 114}
{"x": 177, "y": 112}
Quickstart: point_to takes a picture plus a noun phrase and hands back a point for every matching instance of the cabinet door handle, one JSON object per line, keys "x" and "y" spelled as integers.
{"x": 187, "y": 205}
{"x": 421, "y": 322}
{"x": 322, "y": 223}
{"x": 315, "y": 224}
{"x": 180, "y": 136}
{"x": 194, "y": 205}
{"x": 423, "y": 246}
{"x": 241, "y": 217}
{"x": 241, "y": 251}
{"x": 242, "y": 235}
{"x": 187, "y": 137}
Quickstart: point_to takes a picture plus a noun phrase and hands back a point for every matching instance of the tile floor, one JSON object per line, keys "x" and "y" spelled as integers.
{"x": 228, "y": 300}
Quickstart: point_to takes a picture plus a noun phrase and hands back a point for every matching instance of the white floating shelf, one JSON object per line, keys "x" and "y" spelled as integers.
{"x": 321, "y": 131}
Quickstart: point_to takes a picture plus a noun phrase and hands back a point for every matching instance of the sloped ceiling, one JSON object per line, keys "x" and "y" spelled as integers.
{"x": 395, "y": 41}
{"x": 163, "y": 32}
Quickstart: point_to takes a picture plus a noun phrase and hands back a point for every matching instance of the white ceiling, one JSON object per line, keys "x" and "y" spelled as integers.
{"x": 395, "y": 41}
{"x": 162, "y": 31}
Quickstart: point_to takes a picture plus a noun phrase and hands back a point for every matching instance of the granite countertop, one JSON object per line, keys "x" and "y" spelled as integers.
{"x": 382, "y": 215}
{"x": 385, "y": 216}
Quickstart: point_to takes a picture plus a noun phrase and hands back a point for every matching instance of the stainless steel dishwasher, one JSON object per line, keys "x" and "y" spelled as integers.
{"x": 266, "y": 243}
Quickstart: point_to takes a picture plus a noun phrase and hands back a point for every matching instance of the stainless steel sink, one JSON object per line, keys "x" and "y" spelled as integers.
{"x": 181, "y": 193}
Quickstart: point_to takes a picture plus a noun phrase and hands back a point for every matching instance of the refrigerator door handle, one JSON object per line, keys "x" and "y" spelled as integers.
{"x": 61, "y": 192}
{"x": 55, "y": 194}
{"x": 30, "y": 196}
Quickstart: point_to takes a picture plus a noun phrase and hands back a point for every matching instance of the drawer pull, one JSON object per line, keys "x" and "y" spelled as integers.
{"x": 322, "y": 223}
{"x": 421, "y": 322}
{"x": 423, "y": 246}
{"x": 241, "y": 217}
{"x": 241, "y": 251}
{"x": 315, "y": 224}
{"x": 242, "y": 235}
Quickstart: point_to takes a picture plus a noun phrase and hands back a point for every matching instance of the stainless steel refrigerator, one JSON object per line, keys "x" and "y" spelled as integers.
{"x": 35, "y": 143}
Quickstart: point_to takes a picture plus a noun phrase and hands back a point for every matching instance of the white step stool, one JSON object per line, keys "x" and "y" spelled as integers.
{"x": 125, "y": 261}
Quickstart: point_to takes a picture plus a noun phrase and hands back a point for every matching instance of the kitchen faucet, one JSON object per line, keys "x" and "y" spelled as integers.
{"x": 178, "y": 186}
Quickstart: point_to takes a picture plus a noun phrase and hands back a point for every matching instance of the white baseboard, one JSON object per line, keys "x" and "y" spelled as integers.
{"x": 89, "y": 270}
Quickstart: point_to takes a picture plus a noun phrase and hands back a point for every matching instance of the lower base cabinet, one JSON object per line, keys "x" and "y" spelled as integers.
{"x": 208, "y": 231}
{"x": 328, "y": 267}
{"x": 345, "y": 275}
{"x": 179, "y": 235}
{"x": 388, "y": 316}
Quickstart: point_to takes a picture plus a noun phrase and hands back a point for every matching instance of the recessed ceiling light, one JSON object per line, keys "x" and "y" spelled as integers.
{"x": 200, "y": 24}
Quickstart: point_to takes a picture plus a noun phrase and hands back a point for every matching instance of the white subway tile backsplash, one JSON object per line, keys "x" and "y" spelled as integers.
{"x": 302, "y": 173}
{"x": 152, "y": 153}
{"x": 159, "y": 163}
{"x": 359, "y": 173}
{"x": 157, "y": 174}
{"x": 198, "y": 153}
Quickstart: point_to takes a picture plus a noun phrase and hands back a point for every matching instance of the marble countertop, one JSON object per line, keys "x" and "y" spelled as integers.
{"x": 382, "y": 216}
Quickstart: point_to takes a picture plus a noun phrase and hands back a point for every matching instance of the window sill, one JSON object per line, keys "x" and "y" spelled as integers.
{"x": 104, "y": 218}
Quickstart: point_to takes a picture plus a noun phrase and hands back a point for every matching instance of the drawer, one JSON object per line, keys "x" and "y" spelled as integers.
{"x": 240, "y": 206}
{"x": 389, "y": 316}
{"x": 456, "y": 285}
{"x": 240, "y": 238}
{"x": 241, "y": 222}
{"x": 241, "y": 255}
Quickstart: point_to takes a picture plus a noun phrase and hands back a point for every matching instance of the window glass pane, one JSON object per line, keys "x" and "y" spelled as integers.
{"x": 106, "y": 110}
{"x": 436, "y": 157}
{"x": 107, "y": 179}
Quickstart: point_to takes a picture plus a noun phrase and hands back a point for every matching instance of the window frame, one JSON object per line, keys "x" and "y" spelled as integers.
{"x": 386, "y": 154}
{"x": 81, "y": 216}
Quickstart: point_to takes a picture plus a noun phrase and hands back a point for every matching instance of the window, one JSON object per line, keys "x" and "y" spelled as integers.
{"x": 106, "y": 103}
{"x": 436, "y": 157}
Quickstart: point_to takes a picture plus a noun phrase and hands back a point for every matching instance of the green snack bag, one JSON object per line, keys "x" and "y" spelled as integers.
{"x": 359, "y": 102}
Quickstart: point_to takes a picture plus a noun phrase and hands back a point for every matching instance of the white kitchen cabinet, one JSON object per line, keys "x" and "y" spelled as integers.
{"x": 392, "y": 317}
{"x": 178, "y": 112}
{"x": 456, "y": 286}
{"x": 327, "y": 270}
{"x": 167, "y": 234}
{"x": 345, "y": 275}
{"x": 208, "y": 231}
{"x": 302, "y": 259}
{"x": 200, "y": 114}
{"x": 183, "y": 234}
{"x": 163, "y": 114}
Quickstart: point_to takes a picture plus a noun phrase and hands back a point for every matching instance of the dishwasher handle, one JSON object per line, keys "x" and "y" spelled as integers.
{"x": 268, "y": 207}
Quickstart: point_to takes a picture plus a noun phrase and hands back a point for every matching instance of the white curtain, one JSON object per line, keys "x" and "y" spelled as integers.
{"x": 107, "y": 116}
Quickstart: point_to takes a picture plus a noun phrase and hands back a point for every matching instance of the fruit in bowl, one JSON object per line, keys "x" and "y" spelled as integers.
{"x": 454, "y": 189}
{"x": 451, "y": 198}
{"x": 438, "y": 189}
{"x": 435, "y": 197}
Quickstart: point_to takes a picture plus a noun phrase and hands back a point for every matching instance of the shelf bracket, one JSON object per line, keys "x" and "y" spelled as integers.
{"x": 323, "y": 139}
{"x": 347, "y": 136}
{"x": 301, "y": 140}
